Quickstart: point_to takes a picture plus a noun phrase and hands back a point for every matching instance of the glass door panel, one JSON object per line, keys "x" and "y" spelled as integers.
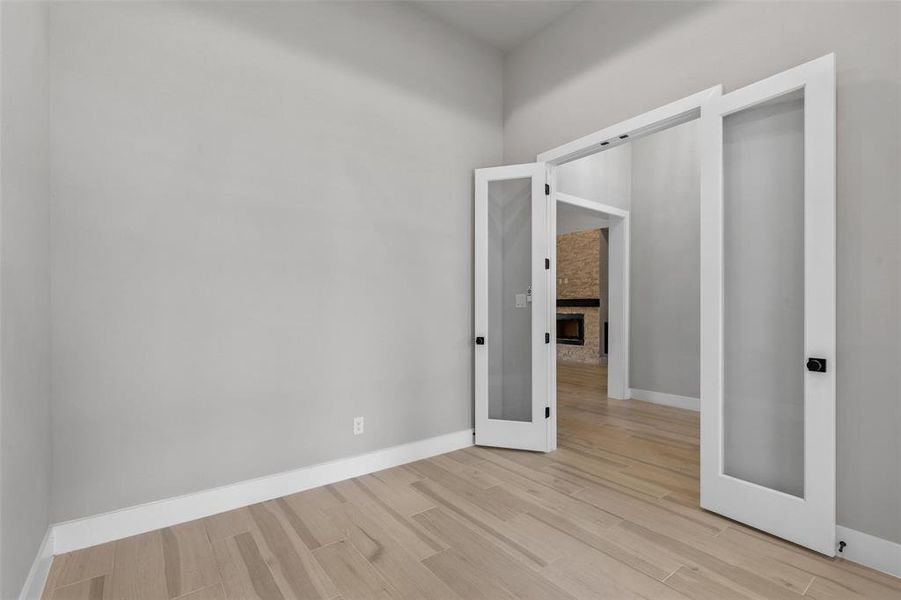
{"x": 511, "y": 307}
{"x": 510, "y": 300}
{"x": 763, "y": 320}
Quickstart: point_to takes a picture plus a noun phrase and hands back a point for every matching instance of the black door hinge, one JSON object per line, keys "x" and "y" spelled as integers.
{"x": 547, "y": 412}
{"x": 547, "y": 338}
{"x": 547, "y": 189}
{"x": 547, "y": 264}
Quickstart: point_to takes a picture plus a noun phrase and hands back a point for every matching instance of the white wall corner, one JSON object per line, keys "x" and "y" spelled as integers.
{"x": 869, "y": 550}
{"x": 686, "y": 402}
{"x": 106, "y": 527}
{"x": 40, "y": 569}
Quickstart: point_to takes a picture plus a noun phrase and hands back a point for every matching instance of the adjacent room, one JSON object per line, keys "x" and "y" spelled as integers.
{"x": 648, "y": 416}
{"x": 449, "y": 299}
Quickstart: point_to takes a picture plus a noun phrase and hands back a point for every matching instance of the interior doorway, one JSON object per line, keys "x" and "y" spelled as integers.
{"x": 651, "y": 187}
{"x": 583, "y": 320}
{"x": 764, "y": 148}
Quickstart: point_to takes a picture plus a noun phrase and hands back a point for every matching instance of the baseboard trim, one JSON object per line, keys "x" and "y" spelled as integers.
{"x": 90, "y": 531}
{"x": 40, "y": 569}
{"x": 686, "y": 402}
{"x": 869, "y": 550}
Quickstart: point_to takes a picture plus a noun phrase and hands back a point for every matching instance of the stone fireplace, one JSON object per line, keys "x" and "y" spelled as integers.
{"x": 571, "y": 329}
{"x": 581, "y": 296}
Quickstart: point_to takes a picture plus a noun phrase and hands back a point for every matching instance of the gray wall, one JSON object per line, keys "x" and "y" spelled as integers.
{"x": 604, "y": 177}
{"x": 24, "y": 293}
{"x": 571, "y": 219}
{"x": 664, "y": 279}
{"x": 605, "y": 62}
{"x": 256, "y": 210}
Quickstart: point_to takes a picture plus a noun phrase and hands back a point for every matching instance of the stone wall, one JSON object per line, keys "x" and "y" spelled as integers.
{"x": 582, "y": 273}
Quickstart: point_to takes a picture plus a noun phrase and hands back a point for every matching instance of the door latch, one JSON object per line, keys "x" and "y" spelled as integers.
{"x": 816, "y": 365}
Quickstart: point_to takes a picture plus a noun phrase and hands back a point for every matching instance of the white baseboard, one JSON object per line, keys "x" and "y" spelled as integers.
{"x": 869, "y": 550}
{"x": 686, "y": 402}
{"x": 40, "y": 569}
{"x": 90, "y": 531}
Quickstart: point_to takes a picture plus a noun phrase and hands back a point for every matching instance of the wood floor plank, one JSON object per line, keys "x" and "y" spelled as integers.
{"x": 494, "y": 460}
{"x": 889, "y": 581}
{"x": 649, "y": 514}
{"x": 89, "y": 563}
{"x": 613, "y": 513}
{"x": 187, "y": 558}
{"x": 375, "y": 540}
{"x": 694, "y": 583}
{"x": 827, "y": 589}
{"x": 401, "y": 497}
{"x": 306, "y": 514}
{"x": 485, "y": 523}
{"x": 292, "y": 564}
{"x": 470, "y": 472}
{"x": 583, "y": 465}
{"x": 654, "y": 565}
{"x": 466, "y": 579}
{"x": 418, "y": 542}
{"x": 744, "y": 581}
{"x": 512, "y": 574}
{"x": 463, "y": 488}
{"x": 139, "y": 570}
{"x": 353, "y": 575}
{"x": 243, "y": 570}
{"x": 553, "y": 500}
{"x": 227, "y": 524}
{"x": 824, "y": 569}
{"x": 87, "y": 589}
{"x": 462, "y": 456}
{"x": 596, "y": 575}
{"x": 211, "y": 592}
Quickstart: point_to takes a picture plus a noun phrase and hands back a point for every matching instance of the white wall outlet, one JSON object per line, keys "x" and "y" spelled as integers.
{"x": 358, "y": 425}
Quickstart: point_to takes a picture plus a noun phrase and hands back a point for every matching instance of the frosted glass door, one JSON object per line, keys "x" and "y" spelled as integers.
{"x": 511, "y": 307}
{"x": 768, "y": 305}
{"x": 763, "y": 294}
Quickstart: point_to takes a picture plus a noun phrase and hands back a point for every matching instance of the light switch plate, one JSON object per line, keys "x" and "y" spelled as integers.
{"x": 520, "y": 300}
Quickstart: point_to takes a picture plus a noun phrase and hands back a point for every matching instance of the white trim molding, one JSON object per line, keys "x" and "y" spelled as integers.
{"x": 33, "y": 588}
{"x": 869, "y": 550}
{"x": 686, "y": 402}
{"x": 669, "y": 115}
{"x": 98, "y": 529}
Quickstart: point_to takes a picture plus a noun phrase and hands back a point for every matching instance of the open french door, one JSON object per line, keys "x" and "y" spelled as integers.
{"x": 768, "y": 305}
{"x": 512, "y": 339}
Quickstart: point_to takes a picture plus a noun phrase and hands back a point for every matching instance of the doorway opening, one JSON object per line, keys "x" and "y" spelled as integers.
{"x": 767, "y": 205}
{"x": 637, "y": 398}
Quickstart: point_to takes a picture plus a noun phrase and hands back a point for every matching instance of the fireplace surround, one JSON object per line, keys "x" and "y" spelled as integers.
{"x": 571, "y": 329}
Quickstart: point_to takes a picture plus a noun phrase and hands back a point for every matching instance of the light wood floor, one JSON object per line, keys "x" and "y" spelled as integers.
{"x": 612, "y": 514}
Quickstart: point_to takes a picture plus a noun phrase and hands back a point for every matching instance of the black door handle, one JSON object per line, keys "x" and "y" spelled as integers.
{"x": 480, "y": 341}
{"x": 816, "y": 365}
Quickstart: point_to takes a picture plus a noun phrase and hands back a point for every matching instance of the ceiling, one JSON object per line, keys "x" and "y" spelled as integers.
{"x": 575, "y": 218}
{"x": 503, "y": 24}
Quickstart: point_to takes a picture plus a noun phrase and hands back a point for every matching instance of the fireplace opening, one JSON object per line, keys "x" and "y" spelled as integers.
{"x": 571, "y": 329}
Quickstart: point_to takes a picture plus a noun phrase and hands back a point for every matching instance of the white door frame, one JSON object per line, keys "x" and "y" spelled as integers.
{"x": 664, "y": 117}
